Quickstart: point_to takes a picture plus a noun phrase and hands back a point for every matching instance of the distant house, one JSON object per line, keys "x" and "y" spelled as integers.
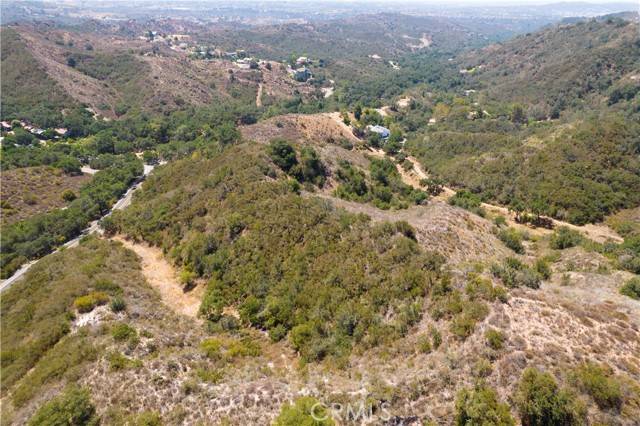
{"x": 247, "y": 63}
{"x": 302, "y": 60}
{"x": 381, "y": 130}
{"x": 6, "y": 125}
{"x": 300, "y": 74}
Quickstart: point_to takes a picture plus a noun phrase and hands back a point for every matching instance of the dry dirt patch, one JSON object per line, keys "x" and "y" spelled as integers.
{"x": 162, "y": 276}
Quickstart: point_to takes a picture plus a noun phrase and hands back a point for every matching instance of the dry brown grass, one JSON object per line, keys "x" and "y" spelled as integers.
{"x": 32, "y": 190}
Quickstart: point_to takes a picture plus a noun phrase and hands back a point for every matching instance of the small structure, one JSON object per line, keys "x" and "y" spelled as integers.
{"x": 302, "y": 60}
{"x": 300, "y": 74}
{"x": 6, "y": 125}
{"x": 381, "y": 130}
{"x": 247, "y": 63}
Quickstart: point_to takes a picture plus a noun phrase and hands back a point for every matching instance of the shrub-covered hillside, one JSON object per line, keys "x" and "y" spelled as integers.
{"x": 291, "y": 265}
{"x": 581, "y": 173}
{"x": 560, "y": 68}
{"x": 27, "y": 91}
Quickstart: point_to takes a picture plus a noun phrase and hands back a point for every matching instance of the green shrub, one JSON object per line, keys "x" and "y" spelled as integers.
{"x": 87, "y": 303}
{"x": 468, "y": 201}
{"x": 212, "y": 348}
{"x": 631, "y": 288}
{"x": 436, "y": 337}
{"x": 73, "y": 407}
{"x": 514, "y": 273}
{"x": 564, "y": 238}
{"x": 122, "y": 331}
{"x": 210, "y": 376}
{"x": 482, "y": 368}
{"x": 542, "y": 267}
{"x": 306, "y": 411}
{"x": 118, "y": 361}
{"x": 500, "y": 221}
{"x": 424, "y": 344}
{"x": 283, "y": 154}
{"x": 541, "y": 402}
{"x": 117, "y": 304}
{"x": 147, "y": 418}
{"x": 512, "y": 239}
{"x": 68, "y": 195}
{"x": 495, "y": 339}
{"x": 229, "y": 348}
{"x": 480, "y": 406}
{"x": 601, "y": 384}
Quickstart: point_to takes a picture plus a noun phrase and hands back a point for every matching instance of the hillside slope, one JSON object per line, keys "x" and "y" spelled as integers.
{"x": 564, "y": 67}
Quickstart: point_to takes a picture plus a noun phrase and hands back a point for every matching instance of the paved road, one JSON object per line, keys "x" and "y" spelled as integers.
{"x": 94, "y": 227}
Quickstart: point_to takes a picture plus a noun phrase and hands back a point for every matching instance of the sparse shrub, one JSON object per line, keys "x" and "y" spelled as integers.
{"x": 464, "y": 323}
{"x": 565, "y": 238}
{"x": 242, "y": 348}
{"x": 190, "y": 387}
{"x": 542, "y": 267}
{"x": 117, "y": 304}
{"x": 187, "y": 278}
{"x": 107, "y": 286}
{"x": 123, "y": 331}
{"x": 73, "y": 407}
{"x": 229, "y": 348}
{"x": 210, "y": 376}
{"x": 436, "y": 337}
{"x": 495, "y": 339}
{"x": 68, "y": 195}
{"x": 480, "y": 406}
{"x": 306, "y": 411}
{"x": 482, "y": 368}
{"x": 30, "y": 199}
{"x": 514, "y": 273}
{"x": 512, "y": 239}
{"x": 601, "y": 384}
{"x": 500, "y": 221}
{"x": 541, "y": 402}
{"x": 212, "y": 348}
{"x": 87, "y": 303}
{"x": 148, "y": 418}
{"x": 424, "y": 344}
{"x": 118, "y": 361}
{"x": 631, "y": 288}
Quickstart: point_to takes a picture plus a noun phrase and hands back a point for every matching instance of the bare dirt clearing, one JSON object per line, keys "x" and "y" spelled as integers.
{"x": 459, "y": 235}
{"x": 162, "y": 277}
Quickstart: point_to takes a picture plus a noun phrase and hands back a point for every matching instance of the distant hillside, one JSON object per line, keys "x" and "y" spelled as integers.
{"x": 568, "y": 66}
{"x": 27, "y": 91}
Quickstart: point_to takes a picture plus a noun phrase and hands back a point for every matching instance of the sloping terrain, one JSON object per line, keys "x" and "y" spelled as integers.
{"x": 32, "y": 190}
{"x": 560, "y": 68}
{"x": 114, "y": 74}
{"x": 27, "y": 90}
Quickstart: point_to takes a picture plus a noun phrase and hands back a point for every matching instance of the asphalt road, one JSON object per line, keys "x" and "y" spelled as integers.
{"x": 94, "y": 227}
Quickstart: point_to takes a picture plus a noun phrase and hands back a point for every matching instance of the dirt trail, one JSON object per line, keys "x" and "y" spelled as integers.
{"x": 259, "y": 96}
{"x": 162, "y": 276}
{"x": 597, "y": 232}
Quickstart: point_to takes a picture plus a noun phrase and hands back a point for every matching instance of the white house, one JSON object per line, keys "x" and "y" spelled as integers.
{"x": 381, "y": 130}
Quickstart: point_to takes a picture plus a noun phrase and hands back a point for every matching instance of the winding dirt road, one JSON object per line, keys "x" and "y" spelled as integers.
{"x": 161, "y": 275}
{"x": 597, "y": 232}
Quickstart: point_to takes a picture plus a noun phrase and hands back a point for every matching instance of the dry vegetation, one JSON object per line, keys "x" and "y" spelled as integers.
{"x": 32, "y": 190}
